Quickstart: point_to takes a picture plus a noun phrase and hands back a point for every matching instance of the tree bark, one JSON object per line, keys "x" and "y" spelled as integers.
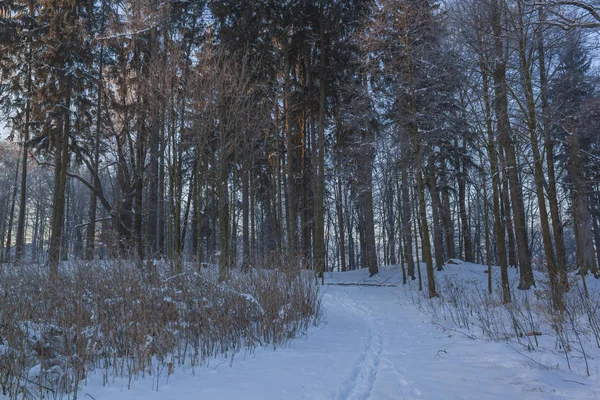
{"x": 447, "y": 220}
{"x": 11, "y": 217}
{"x": 223, "y": 202}
{"x": 61, "y": 149}
{"x": 491, "y": 149}
{"x": 586, "y": 257}
{"x": 461, "y": 178}
{"x": 506, "y": 211}
{"x": 538, "y": 170}
{"x": 293, "y": 172}
{"x": 559, "y": 241}
{"x": 526, "y": 279}
{"x": 435, "y": 211}
{"x": 365, "y": 198}
{"x": 391, "y": 220}
{"x": 20, "y": 243}
{"x": 426, "y": 244}
{"x": 245, "y": 216}
{"x": 340, "y": 215}
{"x": 406, "y": 225}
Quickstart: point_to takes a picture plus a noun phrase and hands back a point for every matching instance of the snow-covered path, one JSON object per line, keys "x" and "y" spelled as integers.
{"x": 409, "y": 358}
{"x": 371, "y": 345}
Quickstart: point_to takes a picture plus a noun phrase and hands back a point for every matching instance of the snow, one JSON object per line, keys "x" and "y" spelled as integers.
{"x": 373, "y": 343}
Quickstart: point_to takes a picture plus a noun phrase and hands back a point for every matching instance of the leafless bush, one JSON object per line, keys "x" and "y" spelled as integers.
{"x": 456, "y": 303}
{"x": 488, "y": 315}
{"x": 467, "y": 308}
{"x": 113, "y": 318}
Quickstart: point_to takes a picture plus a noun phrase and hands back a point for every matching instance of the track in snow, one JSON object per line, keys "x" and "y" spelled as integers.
{"x": 364, "y": 372}
{"x": 373, "y": 344}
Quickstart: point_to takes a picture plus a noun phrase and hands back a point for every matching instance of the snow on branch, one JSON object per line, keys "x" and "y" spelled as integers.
{"x": 128, "y": 35}
{"x": 563, "y": 22}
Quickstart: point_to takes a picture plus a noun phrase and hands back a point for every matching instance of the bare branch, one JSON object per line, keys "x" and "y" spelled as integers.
{"x": 567, "y": 23}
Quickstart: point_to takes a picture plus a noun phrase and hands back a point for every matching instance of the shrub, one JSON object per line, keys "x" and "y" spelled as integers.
{"x": 114, "y": 318}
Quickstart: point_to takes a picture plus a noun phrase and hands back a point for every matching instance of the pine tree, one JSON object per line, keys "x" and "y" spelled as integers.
{"x": 570, "y": 90}
{"x": 19, "y": 42}
{"x": 416, "y": 84}
{"x": 65, "y": 50}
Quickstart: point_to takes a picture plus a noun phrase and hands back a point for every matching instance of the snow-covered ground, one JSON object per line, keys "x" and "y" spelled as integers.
{"x": 373, "y": 343}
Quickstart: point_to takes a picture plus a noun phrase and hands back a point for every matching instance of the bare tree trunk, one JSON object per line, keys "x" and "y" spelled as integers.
{"x": 60, "y": 180}
{"x": 586, "y": 257}
{"x": 418, "y": 160}
{"x": 506, "y": 141}
{"x": 407, "y": 218}
{"x": 11, "y": 217}
{"x": 176, "y": 182}
{"x": 274, "y": 205}
{"x": 293, "y": 172}
{"x": 351, "y": 245}
{"x": 20, "y": 240}
{"x": 153, "y": 184}
{"x": 402, "y": 244}
{"x": 245, "y": 216}
{"x": 200, "y": 221}
{"x": 65, "y": 239}
{"x": 391, "y": 220}
{"x": 160, "y": 234}
{"x": 435, "y": 210}
{"x": 309, "y": 159}
{"x": 500, "y": 239}
{"x": 90, "y": 242}
{"x": 426, "y": 244}
{"x": 365, "y": 198}
{"x": 4, "y": 210}
{"x": 186, "y": 216}
{"x": 596, "y": 226}
{"x": 319, "y": 234}
{"x": 461, "y": 177}
{"x": 418, "y": 235}
{"x": 124, "y": 198}
{"x": 233, "y": 229}
{"x": 280, "y": 213}
{"x": 488, "y": 250}
{"x": 559, "y": 241}
{"x": 36, "y": 234}
{"x": 138, "y": 188}
{"x": 195, "y": 225}
{"x": 538, "y": 170}
{"x": 491, "y": 148}
{"x": 252, "y": 218}
{"x": 19, "y": 247}
{"x": 223, "y": 194}
{"x": 340, "y": 215}
{"x": 447, "y": 219}
{"x": 42, "y": 231}
{"x": 506, "y": 212}
{"x": 274, "y": 222}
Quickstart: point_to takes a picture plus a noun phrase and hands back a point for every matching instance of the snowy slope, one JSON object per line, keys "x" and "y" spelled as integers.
{"x": 373, "y": 344}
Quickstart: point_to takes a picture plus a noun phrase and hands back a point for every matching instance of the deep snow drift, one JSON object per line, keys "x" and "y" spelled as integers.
{"x": 375, "y": 343}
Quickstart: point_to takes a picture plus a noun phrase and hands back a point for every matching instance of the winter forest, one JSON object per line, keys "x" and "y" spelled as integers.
{"x": 185, "y": 180}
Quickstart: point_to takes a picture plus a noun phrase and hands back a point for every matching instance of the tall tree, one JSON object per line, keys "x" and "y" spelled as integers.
{"x": 497, "y": 17}
{"x": 571, "y": 90}
{"x": 65, "y": 48}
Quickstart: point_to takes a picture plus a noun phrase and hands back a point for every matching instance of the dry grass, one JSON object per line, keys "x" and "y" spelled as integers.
{"x": 113, "y": 318}
{"x": 467, "y": 308}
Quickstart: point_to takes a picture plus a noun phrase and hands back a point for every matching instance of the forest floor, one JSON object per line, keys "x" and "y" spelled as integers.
{"x": 373, "y": 343}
